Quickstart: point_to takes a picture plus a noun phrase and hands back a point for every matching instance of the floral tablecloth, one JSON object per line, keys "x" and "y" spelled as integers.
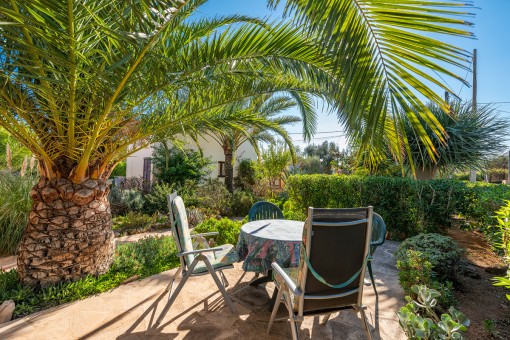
{"x": 263, "y": 242}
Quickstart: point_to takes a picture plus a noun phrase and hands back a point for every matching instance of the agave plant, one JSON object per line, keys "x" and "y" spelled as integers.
{"x": 473, "y": 137}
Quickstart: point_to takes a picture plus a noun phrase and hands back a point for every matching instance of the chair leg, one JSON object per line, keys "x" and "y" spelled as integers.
{"x": 224, "y": 279}
{"x": 365, "y": 321}
{"x": 325, "y": 320}
{"x": 275, "y": 309}
{"x": 294, "y": 325}
{"x": 218, "y": 283}
{"x": 174, "y": 277}
{"x": 369, "y": 265}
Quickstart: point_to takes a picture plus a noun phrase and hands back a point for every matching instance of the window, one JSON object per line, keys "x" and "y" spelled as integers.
{"x": 147, "y": 165}
{"x": 221, "y": 169}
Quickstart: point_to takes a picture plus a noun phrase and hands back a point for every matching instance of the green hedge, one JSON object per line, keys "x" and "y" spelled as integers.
{"x": 408, "y": 207}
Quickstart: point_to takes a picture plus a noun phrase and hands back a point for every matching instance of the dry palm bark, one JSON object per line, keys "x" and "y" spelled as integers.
{"x": 69, "y": 232}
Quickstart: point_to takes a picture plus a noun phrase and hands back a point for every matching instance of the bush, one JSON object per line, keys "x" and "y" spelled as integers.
{"x": 246, "y": 175}
{"x": 146, "y": 257}
{"x": 156, "y": 200}
{"x": 135, "y": 222}
{"x": 408, "y": 207}
{"x": 176, "y": 166}
{"x": 15, "y": 204}
{"x": 122, "y": 201}
{"x": 241, "y": 203}
{"x": 214, "y": 197}
{"x": 228, "y": 230}
{"x": 503, "y": 218}
{"x": 415, "y": 269}
{"x": 442, "y": 252}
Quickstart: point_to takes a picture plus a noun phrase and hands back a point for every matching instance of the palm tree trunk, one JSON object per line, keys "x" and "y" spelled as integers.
{"x": 229, "y": 170}
{"x": 69, "y": 232}
{"x": 427, "y": 172}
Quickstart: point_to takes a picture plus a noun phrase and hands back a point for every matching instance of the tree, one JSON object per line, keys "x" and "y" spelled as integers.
{"x": 385, "y": 52}
{"x": 83, "y": 84}
{"x": 175, "y": 166}
{"x": 86, "y": 83}
{"x": 269, "y": 107}
{"x": 274, "y": 162}
{"x": 328, "y": 154}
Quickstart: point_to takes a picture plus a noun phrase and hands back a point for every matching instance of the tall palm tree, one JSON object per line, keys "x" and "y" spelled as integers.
{"x": 85, "y": 83}
{"x": 388, "y": 55}
{"x": 268, "y": 107}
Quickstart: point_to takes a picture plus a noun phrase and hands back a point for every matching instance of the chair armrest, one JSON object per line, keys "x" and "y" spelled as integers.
{"x": 212, "y": 233}
{"x": 198, "y": 251}
{"x": 279, "y": 271}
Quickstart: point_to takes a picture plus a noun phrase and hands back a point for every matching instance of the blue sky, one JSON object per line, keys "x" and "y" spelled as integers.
{"x": 492, "y": 30}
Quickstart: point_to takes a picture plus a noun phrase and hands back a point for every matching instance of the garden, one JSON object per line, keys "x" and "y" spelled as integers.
{"x": 86, "y": 85}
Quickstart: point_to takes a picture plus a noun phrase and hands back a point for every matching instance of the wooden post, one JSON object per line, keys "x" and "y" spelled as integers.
{"x": 475, "y": 82}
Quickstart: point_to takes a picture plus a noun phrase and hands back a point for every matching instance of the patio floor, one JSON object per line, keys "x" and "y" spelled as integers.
{"x": 132, "y": 311}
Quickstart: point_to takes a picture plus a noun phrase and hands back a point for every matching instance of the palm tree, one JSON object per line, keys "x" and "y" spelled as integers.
{"x": 387, "y": 54}
{"x": 83, "y": 84}
{"x": 269, "y": 107}
{"x": 86, "y": 83}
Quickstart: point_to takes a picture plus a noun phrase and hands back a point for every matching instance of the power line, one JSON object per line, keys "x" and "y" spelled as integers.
{"x": 317, "y": 133}
{"x": 313, "y": 139}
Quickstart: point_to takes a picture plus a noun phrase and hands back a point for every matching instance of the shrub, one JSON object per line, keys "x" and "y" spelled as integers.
{"x": 135, "y": 222}
{"x": 15, "y": 204}
{"x": 419, "y": 320}
{"x": 228, "y": 230}
{"x": 246, "y": 175}
{"x": 146, "y": 257}
{"x": 503, "y": 218}
{"x": 415, "y": 269}
{"x": 442, "y": 252}
{"x": 156, "y": 200}
{"x": 214, "y": 197}
{"x": 176, "y": 166}
{"x": 122, "y": 201}
{"x": 408, "y": 207}
{"x": 242, "y": 202}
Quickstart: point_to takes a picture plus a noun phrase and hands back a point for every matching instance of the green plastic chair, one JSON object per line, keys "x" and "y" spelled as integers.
{"x": 378, "y": 238}
{"x": 264, "y": 210}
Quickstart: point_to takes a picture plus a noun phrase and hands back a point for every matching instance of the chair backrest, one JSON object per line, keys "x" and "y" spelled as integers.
{"x": 336, "y": 243}
{"x": 264, "y": 210}
{"x": 180, "y": 227}
{"x": 378, "y": 232}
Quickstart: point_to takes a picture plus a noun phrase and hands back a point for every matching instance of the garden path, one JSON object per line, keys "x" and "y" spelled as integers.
{"x": 131, "y": 311}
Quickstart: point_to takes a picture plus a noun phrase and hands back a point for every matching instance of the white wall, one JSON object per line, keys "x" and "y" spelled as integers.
{"x": 211, "y": 149}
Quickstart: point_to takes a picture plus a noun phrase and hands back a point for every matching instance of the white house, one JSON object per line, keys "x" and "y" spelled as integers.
{"x": 139, "y": 164}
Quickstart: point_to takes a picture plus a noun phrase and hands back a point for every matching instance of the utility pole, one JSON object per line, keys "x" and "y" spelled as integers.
{"x": 475, "y": 82}
{"x": 472, "y": 173}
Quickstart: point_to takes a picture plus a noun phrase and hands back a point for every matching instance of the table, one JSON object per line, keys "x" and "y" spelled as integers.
{"x": 263, "y": 242}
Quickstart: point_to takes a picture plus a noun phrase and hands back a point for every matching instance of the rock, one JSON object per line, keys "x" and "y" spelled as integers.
{"x": 83, "y": 196}
{"x": 6, "y": 310}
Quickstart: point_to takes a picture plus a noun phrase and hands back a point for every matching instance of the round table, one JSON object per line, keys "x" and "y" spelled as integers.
{"x": 265, "y": 241}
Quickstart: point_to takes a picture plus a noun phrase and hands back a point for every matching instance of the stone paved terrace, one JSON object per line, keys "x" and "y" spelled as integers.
{"x": 131, "y": 311}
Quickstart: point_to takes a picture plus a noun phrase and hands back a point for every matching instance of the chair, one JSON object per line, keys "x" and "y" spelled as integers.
{"x": 378, "y": 238}
{"x": 264, "y": 210}
{"x": 195, "y": 261}
{"x": 330, "y": 274}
